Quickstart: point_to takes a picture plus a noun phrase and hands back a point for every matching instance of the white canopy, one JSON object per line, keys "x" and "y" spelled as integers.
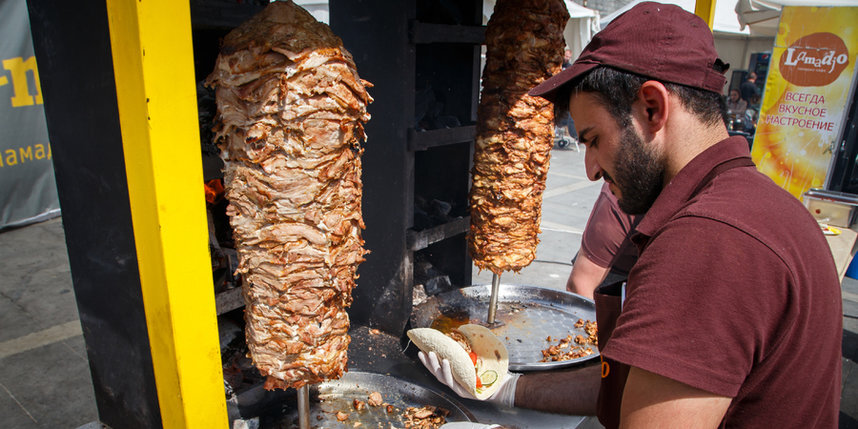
{"x": 578, "y": 11}
{"x": 582, "y": 25}
{"x": 317, "y": 8}
{"x": 762, "y": 16}
{"x": 725, "y": 17}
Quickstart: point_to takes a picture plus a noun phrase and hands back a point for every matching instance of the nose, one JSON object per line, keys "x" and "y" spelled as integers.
{"x": 594, "y": 170}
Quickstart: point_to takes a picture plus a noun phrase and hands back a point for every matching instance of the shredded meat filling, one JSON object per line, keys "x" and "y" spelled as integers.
{"x": 459, "y": 338}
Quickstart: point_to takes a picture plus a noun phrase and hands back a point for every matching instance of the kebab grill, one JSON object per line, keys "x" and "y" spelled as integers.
{"x": 291, "y": 109}
{"x": 341, "y": 213}
{"x": 511, "y": 157}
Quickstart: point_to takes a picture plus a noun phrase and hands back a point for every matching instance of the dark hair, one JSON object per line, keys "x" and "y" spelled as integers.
{"x": 618, "y": 89}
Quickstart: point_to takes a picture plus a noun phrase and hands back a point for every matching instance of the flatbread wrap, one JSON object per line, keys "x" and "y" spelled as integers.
{"x": 478, "y": 359}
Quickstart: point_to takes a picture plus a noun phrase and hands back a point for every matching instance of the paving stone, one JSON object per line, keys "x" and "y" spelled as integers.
{"x": 53, "y": 384}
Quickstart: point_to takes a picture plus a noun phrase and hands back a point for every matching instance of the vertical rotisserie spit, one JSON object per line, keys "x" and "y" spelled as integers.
{"x": 291, "y": 109}
{"x": 515, "y": 132}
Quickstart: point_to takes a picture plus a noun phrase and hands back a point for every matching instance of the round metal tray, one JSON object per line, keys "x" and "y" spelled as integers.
{"x": 526, "y": 316}
{"x": 330, "y": 397}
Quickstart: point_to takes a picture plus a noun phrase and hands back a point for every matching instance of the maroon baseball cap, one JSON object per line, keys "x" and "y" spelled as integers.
{"x": 660, "y": 41}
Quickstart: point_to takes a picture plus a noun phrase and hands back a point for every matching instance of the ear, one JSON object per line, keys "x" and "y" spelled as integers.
{"x": 653, "y": 108}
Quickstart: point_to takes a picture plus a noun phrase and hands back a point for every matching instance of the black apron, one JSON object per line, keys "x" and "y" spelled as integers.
{"x": 608, "y": 308}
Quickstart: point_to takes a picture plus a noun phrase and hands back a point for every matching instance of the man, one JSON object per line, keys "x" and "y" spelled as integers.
{"x": 749, "y": 89}
{"x": 732, "y": 315}
{"x": 607, "y": 253}
{"x": 563, "y": 124}
{"x": 567, "y": 58}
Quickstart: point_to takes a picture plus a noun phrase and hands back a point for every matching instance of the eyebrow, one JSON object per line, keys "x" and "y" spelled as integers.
{"x": 582, "y": 135}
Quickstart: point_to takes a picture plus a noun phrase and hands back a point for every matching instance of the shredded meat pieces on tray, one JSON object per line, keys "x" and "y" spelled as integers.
{"x": 375, "y": 399}
{"x": 572, "y": 347}
{"x": 515, "y": 132}
{"x": 291, "y": 110}
{"x": 426, "y": 417}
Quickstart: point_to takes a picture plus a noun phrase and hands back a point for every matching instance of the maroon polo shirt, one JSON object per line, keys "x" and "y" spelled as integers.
{"x": 606, "y": 241}
{"x": 736, "y": 293}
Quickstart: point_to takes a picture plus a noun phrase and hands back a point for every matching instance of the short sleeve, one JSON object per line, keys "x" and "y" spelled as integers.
{"x": 606, "y": 230}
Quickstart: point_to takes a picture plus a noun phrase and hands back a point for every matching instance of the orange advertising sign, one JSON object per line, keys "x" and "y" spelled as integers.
{"x": 806, "y": 95}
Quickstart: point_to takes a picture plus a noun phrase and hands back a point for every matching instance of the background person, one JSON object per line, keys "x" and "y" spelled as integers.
{"x": 607, "y": 253}
{"x": 736, "y": 107}
{"x": 748, "y": 88}
{"x": 567, "y": 58}
{"x": 564, "y": 127}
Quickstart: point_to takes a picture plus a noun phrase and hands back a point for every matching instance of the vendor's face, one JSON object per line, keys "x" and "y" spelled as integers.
{"x": 619, "y": 155}
{"x": 734, "y": 95}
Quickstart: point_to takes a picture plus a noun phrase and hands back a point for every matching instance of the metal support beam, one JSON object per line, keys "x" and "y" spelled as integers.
{"x": 705, "y": 9}
{"x": 156, "y": 96}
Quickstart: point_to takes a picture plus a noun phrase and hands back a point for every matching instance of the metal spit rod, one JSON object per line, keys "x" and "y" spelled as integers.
{"x": 304, "y": 407}
{"x": 493, "y": 302}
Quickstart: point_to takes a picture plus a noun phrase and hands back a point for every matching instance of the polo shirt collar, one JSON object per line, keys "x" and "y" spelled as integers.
{"x": 685, "y": 184}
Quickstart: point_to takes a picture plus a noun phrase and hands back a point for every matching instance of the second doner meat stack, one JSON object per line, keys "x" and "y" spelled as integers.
{"x": 291, "y": 109}
{"x": 515, "y": 132}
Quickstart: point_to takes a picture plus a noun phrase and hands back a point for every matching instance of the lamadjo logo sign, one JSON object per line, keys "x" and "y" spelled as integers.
{"x": 814, "y": 60}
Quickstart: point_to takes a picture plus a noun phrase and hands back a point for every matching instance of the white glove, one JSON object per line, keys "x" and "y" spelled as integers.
{"x": 504, "y": 395}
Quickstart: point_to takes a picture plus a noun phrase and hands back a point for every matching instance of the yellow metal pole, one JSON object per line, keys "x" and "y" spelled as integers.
{"x": 156, "y": 95}
{"x": 705, "y": 9}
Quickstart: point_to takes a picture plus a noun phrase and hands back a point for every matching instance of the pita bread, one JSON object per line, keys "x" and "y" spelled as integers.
{"x": 491, "y": 352}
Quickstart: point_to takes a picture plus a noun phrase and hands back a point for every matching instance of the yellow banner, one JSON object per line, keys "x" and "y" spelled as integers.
{"x": 806, "y": 94}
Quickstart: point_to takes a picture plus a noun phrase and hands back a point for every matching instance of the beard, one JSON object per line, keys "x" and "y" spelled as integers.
{"x": 639, "y": 173}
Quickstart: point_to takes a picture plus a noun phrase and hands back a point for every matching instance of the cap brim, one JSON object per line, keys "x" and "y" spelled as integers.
{"x": 549, "y": 88}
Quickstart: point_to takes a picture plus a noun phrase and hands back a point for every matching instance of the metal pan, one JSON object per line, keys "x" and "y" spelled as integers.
{"x": 526, "y": 316}
{"x": 330, "y": 397}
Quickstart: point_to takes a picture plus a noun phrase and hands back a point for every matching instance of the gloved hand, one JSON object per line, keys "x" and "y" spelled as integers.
{"x": 440, "y": 368}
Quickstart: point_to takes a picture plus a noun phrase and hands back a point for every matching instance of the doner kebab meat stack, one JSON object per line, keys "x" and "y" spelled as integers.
{"x": 515, "y": 132}
{"x": 291, "y": 110}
